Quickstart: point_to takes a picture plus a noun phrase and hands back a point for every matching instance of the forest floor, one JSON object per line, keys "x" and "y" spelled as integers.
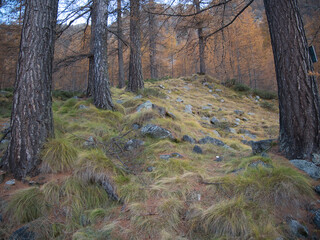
{"x": 206, "y": 185}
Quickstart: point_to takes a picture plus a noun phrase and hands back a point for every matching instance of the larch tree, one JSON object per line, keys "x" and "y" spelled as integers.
{"x": 152, "y": 41}
{"x": 101, "y": 94}
{"x": 90, "y": 86}
{"x": 297, "y": 88}
{"x": 31, "y": 119}
{"x": 121, "y": 83}
{"x": 135, "y": 82}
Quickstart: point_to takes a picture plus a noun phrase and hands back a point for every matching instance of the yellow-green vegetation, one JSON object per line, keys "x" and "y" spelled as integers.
{"x": 162, "y": 195}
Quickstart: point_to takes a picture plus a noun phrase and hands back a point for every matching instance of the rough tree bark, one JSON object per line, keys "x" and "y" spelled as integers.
{"x": 121, "y": 83}
{"x": 135, "y": 67}
{"x": 297, "y": 90}
{"x": 90, "y": 86}
{"x": 152, "y": 42}
{"x": 202, "y": 43}
{"x": 31, "y": 119}
{"x": 101, "y": 94}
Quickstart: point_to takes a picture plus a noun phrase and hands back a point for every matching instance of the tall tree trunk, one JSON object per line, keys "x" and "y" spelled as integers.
{"x": 152, "y": 42}
{"x": 297, "y": 90}
{"x": 120, "y": 46}
{"x": 102, "y": 96}
{"x": 31, "y": 119}
{"x": 90, "y": 86}
{"x": 202, "y": 43}
{"x": 135, "y": 67}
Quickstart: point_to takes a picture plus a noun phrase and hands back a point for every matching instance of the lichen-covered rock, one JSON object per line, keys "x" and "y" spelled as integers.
{"x": 197, "y": 149}
{"x": 211, "y": 140}
{"x": 308, "y": 167}
{"x": 145, "y": 106}
{"x": 189, "y": 139}
{"x": 155, "y": 131}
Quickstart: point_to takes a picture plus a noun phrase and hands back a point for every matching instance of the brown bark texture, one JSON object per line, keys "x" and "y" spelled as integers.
{"x": 121, "y": 83}
{"x": 90, "y": 86}
{"x": 297, "y": 89}
{"x": 152, "y": 42}
{"x": 31, "y": 119}
{"x": 202, "y": 43}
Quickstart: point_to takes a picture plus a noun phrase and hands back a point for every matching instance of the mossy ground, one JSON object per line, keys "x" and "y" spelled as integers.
{"x": 193, "y": 197}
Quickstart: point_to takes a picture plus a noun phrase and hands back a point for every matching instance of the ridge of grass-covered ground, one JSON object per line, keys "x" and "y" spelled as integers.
{"x": 188, "y": 197}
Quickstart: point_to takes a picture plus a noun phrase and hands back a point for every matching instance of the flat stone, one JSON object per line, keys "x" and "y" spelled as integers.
{"x": 188, "y": 109}
{"x": 197, "y": 149}
{"x": 155, "y": 131}
{"x": 145, "y": 106}
{"x": 189, "y": 139}
{"x": 308, "y": 167}
{"x": 11, "y": 182}
{"x": 211, "y": 140}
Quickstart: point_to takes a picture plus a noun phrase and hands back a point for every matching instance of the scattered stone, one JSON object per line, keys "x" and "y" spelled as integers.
{"x": 256, "y": 164}
{"x": 218, "y": 90}
{"x": 216, "y": 133}
{"x": 214, "y": 120}
{"x": 169, "y": 91}
{"x": 316, "y": 219}
{"x": 265, "y": 155}
{"x": 317, "y": 189}
{"x": 210, "y": 91}
{"x": 238, "y": 112}
{"x": 171, "y": 115}
{"x": 165, "y": 157}
{"x": 257, "y": 98}
{"x": 155, "y": 131}
{"x": 215, "y": 95}
{"x": 211, "y": 140}
{"x": 308, "y": 167}
{"x": 316, "y": 158}
{"x": 208, "y": 85}
{"x": 197, "y": 149}
{"x": 83, "y": 107}
{"x": 231, "y": 130}
{"x": 138, "y": 97}
{"x": 133, "y": 144}
{"x": 150, "y": 169}
{"x": 209, "y": 104}
{"x": 179, "y": 100}
{"x": 119, "y": 101}
{"x": 189, "y": 139}
{"x": 245, "y": 119}
{"x": 238, "y": 120}
{"x": 297, "y": 228}
{"x": 176, "y": 155}
{"x": 89, "y": 142}
{"x": 205, "y": 118}
{"x": 227, "y": 147}
{"x": 11, "y": 182}
{"x": 188, "y": 109}
{"x": 251, "y": 114}
{"x": 250, "y": 135}
{"x": 222, "y": 100}
{"x": 145, "y": 106}
{"x": 23, "y": 233}
{"x": 187, "y": 88}
{"x": 161, "y": 86}
{"x": 219, "y": 159}
{"x": 206, "y": 108}
{"x": 260, "y": 146}
{"x": 136, "y": 126}
{"x": 161, "y": 110}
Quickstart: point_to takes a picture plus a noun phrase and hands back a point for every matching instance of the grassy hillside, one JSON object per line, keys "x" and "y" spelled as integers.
{"x": 164, "y": 189}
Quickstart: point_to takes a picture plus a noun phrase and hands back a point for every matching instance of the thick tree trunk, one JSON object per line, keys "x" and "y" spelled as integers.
{"x": 202, "y": 43}
{"x": 135, "y": 67}
{"x": 31, "y": 119}
{"x": 152, "y": 42}
{"x": 90, "y": 87}
{"x": 121, "y": 83}
{"x": 297, "y": 90}
{"x": 102, "y": 96}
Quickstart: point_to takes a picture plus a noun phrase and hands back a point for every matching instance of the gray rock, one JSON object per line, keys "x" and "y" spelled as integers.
{"x": 220, "y": 109}
{"x": 176, "y": 155}
{"x": 218, "y": 90}
{"x": 171, "y": 115}
{"x": 11, "y": 182}
{"x": 238, "y": 112}
{"x": 210, "y": 91}
{"x": 216, "y": 133}
{"x": 222, "y": 100}
{"x": 138, "y": 97}
{"x": 83, "y": 107}
{"x": 206, "y": 108}
{"x": 133, "y": 144}
{"x": 211, "y": 140}
{"x": 308, "y": 167}
{"x": 4, "y": 141}
{"x": 316, "y": 219}
{"x": 161, "y": 86}
{"x": 214, "y": 120}
{"x": 119, "y": 101}
{"x": 265, "y": 155}
{"x": 187, "y": 88}
{"x": 260, "y": 146}
{"x": 189, "y": 139}
{"x": 136, "y": 126}
{"x": 250, "y": 135}
{"x": 232, "y": 130}
{"x": 188, "y": 109}
{"x": 23, "y": 233}
{"x": 165, "y": 157}
{"x": 297, "y": 228}
{"x": 197, "y": 149}
{"x": 257, "y": 98}
{"x": 317, "y": 189}
{"x": 209, "y": 104}
{"x": 238, "y": 120}
{"x": 179, "y": 100}
{"x": 155, "y": 131}
{"x": 90, "y": 142}
{"x": 145, "y": 106}
{"x": 251, "y": 114}
{"x": 215, "y": 95}
{"x": 316, "y": 158}
{"x": 245, "y": 119}
{"x": 150, "y": 169}
{"x": 260, "y": 163}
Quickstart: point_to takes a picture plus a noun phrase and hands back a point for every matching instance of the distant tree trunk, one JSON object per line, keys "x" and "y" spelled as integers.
{"x": 102, "y": 96}
{"x": 152, "y": 43}
{"x": 31, "y": 119}
{"x": 90, "y": 86}
{"x": 120, "y": 46}
{"x": 297, "y": 90}
{"x": 135, "y": 67}
{"x": 202, "y": 43}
